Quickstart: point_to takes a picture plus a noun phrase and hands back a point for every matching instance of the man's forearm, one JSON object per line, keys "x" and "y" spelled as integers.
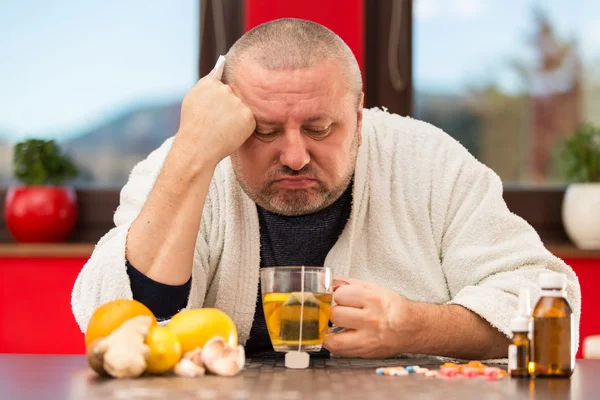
{"x": 162, "y": 239}
{"x": 454, "y": 331}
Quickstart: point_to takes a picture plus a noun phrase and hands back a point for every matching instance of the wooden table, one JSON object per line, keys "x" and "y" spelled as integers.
{"x": 65, "y": 377}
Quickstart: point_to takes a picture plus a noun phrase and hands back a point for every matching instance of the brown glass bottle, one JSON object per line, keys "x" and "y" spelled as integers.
{"x": 553, "y": 350}
{"x": 518, "y": 355}
{"x": 520, "y": 349}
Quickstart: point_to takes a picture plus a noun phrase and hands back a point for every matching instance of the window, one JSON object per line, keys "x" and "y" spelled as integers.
{"x": 509, "y": 78}
{"x": 105, "y": 78}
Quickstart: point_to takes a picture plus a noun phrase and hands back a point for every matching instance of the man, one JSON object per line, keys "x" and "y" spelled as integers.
{"x": 280, "y": 165}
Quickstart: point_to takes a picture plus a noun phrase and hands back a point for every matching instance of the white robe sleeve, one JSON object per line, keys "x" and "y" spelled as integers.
{"x": 487, "y": 252}
{"x": 104, "y": 277}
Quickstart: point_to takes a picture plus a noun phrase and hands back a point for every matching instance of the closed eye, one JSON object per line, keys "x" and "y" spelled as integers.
{"x": 318, "y": 132}
{"x": 266, "y": 136}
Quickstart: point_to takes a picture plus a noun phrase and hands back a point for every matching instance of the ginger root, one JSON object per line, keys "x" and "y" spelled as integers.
{"x": 122, "y": 354}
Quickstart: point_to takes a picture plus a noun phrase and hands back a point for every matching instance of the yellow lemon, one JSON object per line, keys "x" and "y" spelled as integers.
{"x": 195, "y": 327}
{"x": 165, "y": 350}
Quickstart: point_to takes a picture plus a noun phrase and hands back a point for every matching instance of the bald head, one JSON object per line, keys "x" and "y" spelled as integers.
{"x": 289, "y": 44}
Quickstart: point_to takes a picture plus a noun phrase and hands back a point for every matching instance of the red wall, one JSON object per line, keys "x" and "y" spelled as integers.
{"x": 588, "y": 272}
{"x": 344, "y": 17}
{"x": 35, "y": 304}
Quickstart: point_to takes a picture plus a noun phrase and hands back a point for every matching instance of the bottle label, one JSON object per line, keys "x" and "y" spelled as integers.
{"x": 512, "y": 357}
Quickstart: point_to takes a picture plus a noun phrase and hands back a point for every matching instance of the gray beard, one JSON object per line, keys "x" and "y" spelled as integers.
{"x": 299, "y": 201}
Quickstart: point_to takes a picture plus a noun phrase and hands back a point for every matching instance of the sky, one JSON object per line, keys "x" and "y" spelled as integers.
{"x": 67, "y": 65}
{"x": 461, "y": 42}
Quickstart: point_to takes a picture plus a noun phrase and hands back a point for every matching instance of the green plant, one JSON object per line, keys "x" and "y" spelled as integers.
{"x": 40, "y": 162}
{"x": 580, "y": 155}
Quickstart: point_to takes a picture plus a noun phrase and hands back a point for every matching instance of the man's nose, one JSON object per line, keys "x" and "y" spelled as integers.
{"x": 294, "y": 153}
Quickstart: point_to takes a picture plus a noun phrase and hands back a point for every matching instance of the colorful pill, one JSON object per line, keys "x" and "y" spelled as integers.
{"x": 380, "y": 371}
{"x": 449, "y": 365}
{"x": 470, "y": 372}
{"x": 431, "y": 373}
{"x": 399, "y": 372}
{"x": 475, "y": 364}
{"x": 412, "y": 368}
{"x": 491, "y": 372}
{"x": 421, "y": 370}
{"x": 449, "y": 372}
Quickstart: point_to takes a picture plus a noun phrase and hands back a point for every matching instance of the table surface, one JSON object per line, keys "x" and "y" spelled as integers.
{"x": 68, "y": 377}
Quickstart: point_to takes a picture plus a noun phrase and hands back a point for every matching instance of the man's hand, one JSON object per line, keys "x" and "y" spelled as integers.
{"x": 214, "y": 121}
{"x": 375, "y": 319}
{"x": 380, "y": 323}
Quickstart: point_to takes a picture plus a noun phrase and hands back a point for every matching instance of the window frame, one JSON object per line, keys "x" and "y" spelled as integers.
{"x": 540, "y": 206}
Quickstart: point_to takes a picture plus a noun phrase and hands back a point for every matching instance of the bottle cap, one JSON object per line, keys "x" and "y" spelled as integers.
{"x": 519, "y": 324}
{"x": 297, "y": 359}
{"x": 552, "y": 280}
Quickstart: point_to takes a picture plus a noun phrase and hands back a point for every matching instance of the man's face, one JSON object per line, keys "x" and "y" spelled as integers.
{"x": 308, "y": 130}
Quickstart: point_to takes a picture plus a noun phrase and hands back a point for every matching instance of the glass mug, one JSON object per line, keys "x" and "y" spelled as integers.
{"x": 297, "y": 306}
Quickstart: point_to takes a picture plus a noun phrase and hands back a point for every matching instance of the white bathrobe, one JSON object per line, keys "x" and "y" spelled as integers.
{"x": 428, "y": 221}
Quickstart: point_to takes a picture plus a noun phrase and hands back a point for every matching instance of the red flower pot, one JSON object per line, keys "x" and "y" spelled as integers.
{"x": 41, "y": 214}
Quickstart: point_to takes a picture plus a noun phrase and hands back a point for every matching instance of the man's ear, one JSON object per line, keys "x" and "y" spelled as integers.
{"x": 359, "y": 119}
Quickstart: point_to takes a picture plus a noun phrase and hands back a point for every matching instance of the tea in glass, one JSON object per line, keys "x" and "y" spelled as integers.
{"x": 297, "y": 308}
{"x": 283, "y": 313}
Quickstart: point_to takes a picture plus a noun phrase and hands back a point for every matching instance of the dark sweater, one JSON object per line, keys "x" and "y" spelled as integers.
{"x": 284, "y": 241}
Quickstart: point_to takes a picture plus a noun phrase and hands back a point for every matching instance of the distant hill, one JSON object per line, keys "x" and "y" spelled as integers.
{"x": 452, "y": 114}
{"x": 108, "y": 152}
{"x": 6, "y": 150}
{"x": 592, "y": 94}
{"x": 138, "y": 131}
